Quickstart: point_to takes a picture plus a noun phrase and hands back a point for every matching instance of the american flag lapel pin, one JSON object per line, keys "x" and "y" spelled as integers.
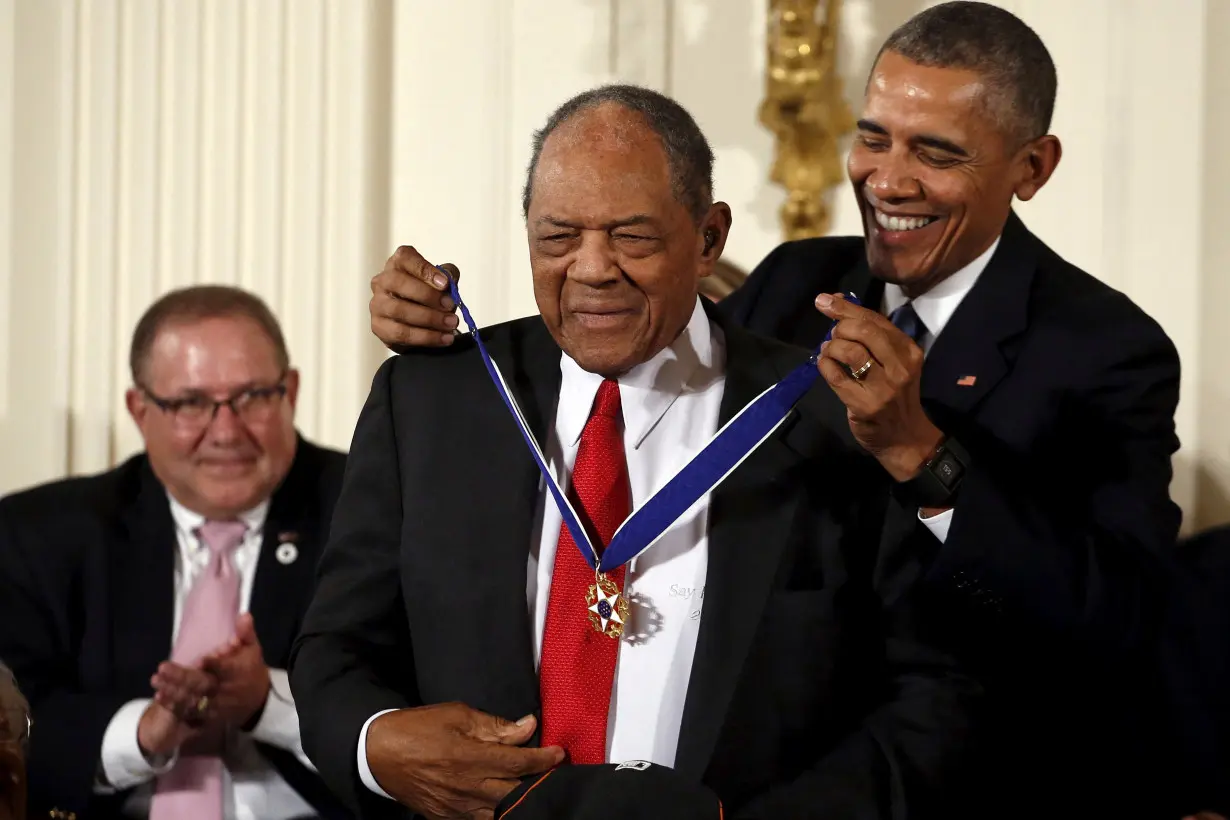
{"x": 967, "y": 381}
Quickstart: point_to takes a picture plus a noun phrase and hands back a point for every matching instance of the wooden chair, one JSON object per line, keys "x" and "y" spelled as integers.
{"x": 724, "y": 279}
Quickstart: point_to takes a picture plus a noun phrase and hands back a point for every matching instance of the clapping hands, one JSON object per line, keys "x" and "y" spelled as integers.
{"x": 226, "y": 688}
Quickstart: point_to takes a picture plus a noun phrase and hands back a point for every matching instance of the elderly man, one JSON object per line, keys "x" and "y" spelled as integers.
{"x": 153, "y": 606}
{"x": 763, "y": 646}
{"x": 14, "y": 737}
{"x": 1023, "y": 408}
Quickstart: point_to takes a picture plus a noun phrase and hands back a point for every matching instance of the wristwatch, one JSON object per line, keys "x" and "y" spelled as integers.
{"x": 940, "y": 479}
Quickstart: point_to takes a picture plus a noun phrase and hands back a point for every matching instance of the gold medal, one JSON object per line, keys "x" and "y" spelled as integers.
{"x": 608, "y": 608}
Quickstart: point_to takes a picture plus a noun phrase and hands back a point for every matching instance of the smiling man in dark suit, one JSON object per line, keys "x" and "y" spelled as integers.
{"x": 121, "y": 594}
{"x": 1024, "y": 409}
{"x": 770, "y": 651}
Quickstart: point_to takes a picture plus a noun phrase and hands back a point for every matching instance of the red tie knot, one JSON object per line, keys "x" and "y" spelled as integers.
{"x": 607, "y": 403}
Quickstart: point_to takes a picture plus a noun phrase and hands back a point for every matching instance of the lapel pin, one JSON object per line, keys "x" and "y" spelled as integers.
{"x": 967, "y": 381}
{"x": 287, "y": 552}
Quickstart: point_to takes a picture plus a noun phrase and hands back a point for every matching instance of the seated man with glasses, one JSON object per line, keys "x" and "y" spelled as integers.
{"x": 14, "y": 735}
{"x": 152, "y": 607}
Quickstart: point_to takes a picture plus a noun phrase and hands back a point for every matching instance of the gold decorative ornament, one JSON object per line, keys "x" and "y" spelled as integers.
{"x": 805, "y": 109}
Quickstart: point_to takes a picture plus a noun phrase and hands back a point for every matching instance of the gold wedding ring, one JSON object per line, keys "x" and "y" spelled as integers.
{"x": 202, "y": 704}
{"x": 857, "y": 375}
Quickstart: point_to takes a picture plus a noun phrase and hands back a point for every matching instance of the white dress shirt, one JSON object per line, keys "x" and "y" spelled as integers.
{"x": 670, "y": 407}
{"x": 934, "y": 309}
{"x": 252, "y": 788}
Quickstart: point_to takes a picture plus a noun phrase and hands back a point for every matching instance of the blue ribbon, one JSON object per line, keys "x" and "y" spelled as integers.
{"x": 737, "y": 439}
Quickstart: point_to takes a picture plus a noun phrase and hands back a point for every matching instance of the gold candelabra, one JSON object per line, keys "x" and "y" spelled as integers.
{"x": 805, "y": 110}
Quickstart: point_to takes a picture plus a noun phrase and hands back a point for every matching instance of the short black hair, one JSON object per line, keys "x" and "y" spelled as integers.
{"x": 687, "y": 151}
{"x": 995, "y": 44}
{"x": 193, "y": 304}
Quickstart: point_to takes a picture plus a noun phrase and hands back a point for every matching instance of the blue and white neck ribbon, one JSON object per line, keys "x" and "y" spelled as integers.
{"x": 728, "y": 448}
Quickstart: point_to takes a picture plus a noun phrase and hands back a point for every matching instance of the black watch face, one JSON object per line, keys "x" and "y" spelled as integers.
{"x": 948, "y": 470}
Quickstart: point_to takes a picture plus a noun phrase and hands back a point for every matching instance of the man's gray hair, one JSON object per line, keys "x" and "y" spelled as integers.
{"x": 995, "y": 44}
{"x": 687, "y": 151}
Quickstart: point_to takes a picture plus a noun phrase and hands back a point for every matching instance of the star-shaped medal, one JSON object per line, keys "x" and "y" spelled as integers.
{"x": 608, "y": 608}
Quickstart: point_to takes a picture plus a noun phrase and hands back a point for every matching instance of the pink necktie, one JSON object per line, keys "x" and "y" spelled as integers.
{"x": 192, "y": 790}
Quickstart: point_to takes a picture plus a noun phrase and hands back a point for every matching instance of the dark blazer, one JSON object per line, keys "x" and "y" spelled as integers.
{"x": 86, "y": 603}
{"x": 1057, "y": 564}
{"x": 1207, "y": 556}
{"x": 812, "y": 691}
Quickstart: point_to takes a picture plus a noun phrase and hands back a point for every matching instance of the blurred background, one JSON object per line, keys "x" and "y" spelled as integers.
{"x": 288, "y": 146}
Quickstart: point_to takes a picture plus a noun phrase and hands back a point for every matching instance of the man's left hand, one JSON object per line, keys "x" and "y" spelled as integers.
{"x": 884, "y": 405}
{"x": 243, "y": 677}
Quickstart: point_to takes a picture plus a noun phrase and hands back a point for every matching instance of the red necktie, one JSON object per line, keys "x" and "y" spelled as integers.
{"x": 578, "y": 662}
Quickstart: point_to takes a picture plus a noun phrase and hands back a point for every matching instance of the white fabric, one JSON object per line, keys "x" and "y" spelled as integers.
{"x": 936, "y": 306}
{"x": 938, "y": 524}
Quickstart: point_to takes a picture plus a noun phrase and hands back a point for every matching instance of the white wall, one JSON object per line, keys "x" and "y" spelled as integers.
{"x": 149, "y": 144}
{"x": 289, "y": 144}
{"x": 1207, "y": 379}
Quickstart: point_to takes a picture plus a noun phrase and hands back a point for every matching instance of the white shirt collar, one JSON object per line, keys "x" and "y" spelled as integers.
{"x": 936, "y": 306}
{"x": 188, "y": 521}
{"x": 648, "y": 390}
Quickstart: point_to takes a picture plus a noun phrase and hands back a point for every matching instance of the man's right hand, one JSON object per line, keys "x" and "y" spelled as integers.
{"x": 176, "y": 714}
{"x": 410, "y": 304}
{"x": 450, "y": 760}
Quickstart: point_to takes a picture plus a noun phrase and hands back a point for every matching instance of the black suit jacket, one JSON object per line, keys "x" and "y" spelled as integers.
{"x": 1057, "y": 565}
{"x": 86, "y": 604}
{"x": 1207, "y": 556}
{"x": 812, "y": 692}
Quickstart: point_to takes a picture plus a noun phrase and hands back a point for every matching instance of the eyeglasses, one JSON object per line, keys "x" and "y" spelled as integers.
{"x": 253, "y": 404}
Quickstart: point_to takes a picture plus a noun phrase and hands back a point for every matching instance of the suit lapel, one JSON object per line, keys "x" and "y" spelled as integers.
{"x": 968, "y": 359}
{"x": 143, "y": 588}
{"x": 859, "y": 282}
{"x": 748, "y": 529}
{"x": 814, "y": 325}
{"x": 490, "y": 515}
{"x": 284, "y": 570}
{"x": 534, "y": 361}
